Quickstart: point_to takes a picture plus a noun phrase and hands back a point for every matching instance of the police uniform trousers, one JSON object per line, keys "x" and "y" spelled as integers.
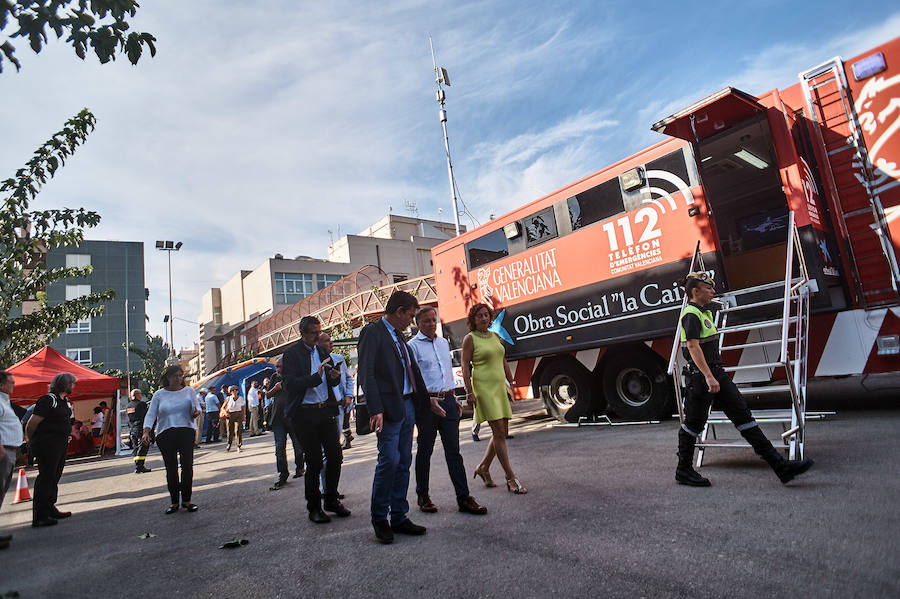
{"x": 698, "y": 400}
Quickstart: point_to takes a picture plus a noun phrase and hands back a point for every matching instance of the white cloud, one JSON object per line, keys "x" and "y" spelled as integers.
{"x": 259, "y": 126}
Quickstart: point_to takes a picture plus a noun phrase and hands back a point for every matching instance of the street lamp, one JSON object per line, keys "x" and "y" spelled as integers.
{"x": 170, "y": 246}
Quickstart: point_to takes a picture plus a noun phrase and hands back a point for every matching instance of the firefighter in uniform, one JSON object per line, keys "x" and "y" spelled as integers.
{"x": 136, "y": 410}
{"x": 708, "y": 382}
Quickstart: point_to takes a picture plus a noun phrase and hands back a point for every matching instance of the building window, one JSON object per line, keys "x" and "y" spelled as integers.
{"x": 78, "y": 260}
{"x": 76, "y": 291}
{"x": 217, "y": 315}
{"x": 400, "y": 278}
{"x": 290, "y": 288}
{"x": 243, "y": 340}
{"x": 323, "y": 281}
{"x": 82, "y": 355}
{"x": 223, "y": 348}
{"x": 82, "y": 326}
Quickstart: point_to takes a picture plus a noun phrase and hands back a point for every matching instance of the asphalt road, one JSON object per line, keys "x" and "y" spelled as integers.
{"x": 603, "y": 517}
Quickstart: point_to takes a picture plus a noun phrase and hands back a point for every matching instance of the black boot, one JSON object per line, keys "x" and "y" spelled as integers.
{"x": 786, "y": 470}
{"x": 684, "y": 472}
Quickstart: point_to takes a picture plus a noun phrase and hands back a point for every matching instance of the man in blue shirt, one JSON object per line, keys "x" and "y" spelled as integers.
{"x": 212, "y": 415}
{"x": 432, "y": 354}
{"x": 309, "y": 376}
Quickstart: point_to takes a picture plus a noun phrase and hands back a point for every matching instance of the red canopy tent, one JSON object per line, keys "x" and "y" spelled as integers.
{"x": 34, "y": 373}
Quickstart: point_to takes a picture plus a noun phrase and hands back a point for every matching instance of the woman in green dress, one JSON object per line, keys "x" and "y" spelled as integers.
{"x": 486, "y": 374}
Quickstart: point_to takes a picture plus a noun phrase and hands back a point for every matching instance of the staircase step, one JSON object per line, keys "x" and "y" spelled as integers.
{"x": 764, "y": 324}
{"x": 752, "y": 366}
{"x": 754, "y": 344}
{"x": 770, "y": 389}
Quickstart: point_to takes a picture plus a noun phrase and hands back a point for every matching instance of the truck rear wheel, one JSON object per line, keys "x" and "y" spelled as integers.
{"x": 636, "y": 386}
{"x": 566, "y": 389}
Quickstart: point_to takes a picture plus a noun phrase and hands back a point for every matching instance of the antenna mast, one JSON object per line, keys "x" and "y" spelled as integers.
{"x": 442, "y": 78}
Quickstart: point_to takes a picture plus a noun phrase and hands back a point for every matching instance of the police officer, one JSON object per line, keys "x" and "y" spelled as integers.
{"x": 136, "y": 410}
{"x": 708, "y": 382}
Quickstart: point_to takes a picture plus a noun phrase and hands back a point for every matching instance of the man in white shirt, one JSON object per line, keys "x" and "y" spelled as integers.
{"x": 432, "y": 354}
{"x": 10, "y": 441}
{"x": 253, "y": 404}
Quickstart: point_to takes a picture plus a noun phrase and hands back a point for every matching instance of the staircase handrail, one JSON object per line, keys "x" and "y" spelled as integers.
{"x": 788, "y": 275}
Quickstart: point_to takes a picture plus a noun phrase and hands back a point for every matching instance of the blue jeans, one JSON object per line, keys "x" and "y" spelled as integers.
{"x": 281, "y": 431}
{"x": 392, "y": 469}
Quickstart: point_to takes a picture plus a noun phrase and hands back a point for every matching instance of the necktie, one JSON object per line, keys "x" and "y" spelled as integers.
{"x": 405, "y": 356}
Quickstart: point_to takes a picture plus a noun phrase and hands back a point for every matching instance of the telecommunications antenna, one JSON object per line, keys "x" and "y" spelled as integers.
{"x": 441, "y": 79}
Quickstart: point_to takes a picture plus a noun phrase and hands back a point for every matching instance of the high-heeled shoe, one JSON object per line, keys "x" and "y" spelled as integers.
{"x": 485, "y": 476}
{"x": 514, "y": 486}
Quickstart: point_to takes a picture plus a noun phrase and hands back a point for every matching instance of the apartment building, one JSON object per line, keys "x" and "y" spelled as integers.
{"x": 398, "y": 245}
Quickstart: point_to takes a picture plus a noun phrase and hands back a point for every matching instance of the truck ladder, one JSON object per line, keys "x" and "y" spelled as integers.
{"x": 847, "y": 173}
{"x": 772, "y": 322}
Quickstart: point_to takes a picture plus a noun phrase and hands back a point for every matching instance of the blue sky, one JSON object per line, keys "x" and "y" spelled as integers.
{"x": 261, "y": 125}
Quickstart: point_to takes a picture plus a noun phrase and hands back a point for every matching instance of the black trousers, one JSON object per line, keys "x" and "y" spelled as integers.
{"x": 50, "y": 454}
{"x": 317, "y": 428}
{"x": 698, "y": 401}
{"x": 428, "y": 424}
{"x": 138, "y": 449}
{"x": 174, "y": 444}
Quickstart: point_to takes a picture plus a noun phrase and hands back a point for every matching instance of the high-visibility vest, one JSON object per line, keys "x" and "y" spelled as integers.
{"x": 708, "y": 331}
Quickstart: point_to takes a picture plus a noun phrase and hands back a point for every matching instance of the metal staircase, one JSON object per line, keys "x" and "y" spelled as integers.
{"x": 848, "y": 175}
{"x": 769, "y": 325}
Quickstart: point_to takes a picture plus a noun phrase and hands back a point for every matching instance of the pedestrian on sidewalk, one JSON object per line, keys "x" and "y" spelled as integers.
{"x": 708, "y": 382}
{"x": 47, "y": 434}
{"x": 137, "y": 411}
{"x": 441, "y": 414}
{"x": 11, "y": 438}
{"x": 282, "y": 428}
{"x": 486, "y": 376}
{"x": 253, "y": 406}
{"x": 391, "y": 382}
{"x": 308, "y": 378}
{"x": 212, "y": 415}
{"x": 235, "y": 407}
{"x": 173, "y": 410}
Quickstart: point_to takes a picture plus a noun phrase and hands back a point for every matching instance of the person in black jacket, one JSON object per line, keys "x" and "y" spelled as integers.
{"x": 136, "y": 410}
{"x": 392, "y": 383}
{"x": 312, "y": 408}
{"x": 47, "y": 433}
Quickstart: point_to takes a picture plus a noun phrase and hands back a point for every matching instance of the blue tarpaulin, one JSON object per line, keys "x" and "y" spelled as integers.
{"x": 242, "y": 375}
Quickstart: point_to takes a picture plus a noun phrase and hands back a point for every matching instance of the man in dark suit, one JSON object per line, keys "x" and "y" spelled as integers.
{"x": 391, "y": 381}
{"x": 312, "y": 408}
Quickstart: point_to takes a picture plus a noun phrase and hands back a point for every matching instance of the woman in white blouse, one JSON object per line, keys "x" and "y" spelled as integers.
{"x": 235, "y": 407}
{"x": 174, "y": 409}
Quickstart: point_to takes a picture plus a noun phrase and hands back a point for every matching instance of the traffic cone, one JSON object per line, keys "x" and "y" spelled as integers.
{"x": 22, "y": 493}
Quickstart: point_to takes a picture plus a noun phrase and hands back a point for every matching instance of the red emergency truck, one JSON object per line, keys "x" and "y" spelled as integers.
{"x": 584, "y": 281}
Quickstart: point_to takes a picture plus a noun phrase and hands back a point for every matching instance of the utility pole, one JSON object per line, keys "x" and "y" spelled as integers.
{"x": 442, "y": 78}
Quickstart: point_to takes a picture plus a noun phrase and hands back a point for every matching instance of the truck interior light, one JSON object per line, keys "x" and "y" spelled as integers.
{"x": 633, "y": 179}
{"x": 751, "y": 159}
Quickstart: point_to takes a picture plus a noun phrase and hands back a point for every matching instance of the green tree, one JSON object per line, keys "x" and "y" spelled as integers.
{"x": 154, "y": 359}
{"x": 98, "y": 24}
{"x": 25, "y": 235}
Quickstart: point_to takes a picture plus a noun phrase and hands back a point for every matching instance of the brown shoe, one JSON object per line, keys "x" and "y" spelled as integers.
{"x": 470, "y": 506}
{"x": 426, "y": 505}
